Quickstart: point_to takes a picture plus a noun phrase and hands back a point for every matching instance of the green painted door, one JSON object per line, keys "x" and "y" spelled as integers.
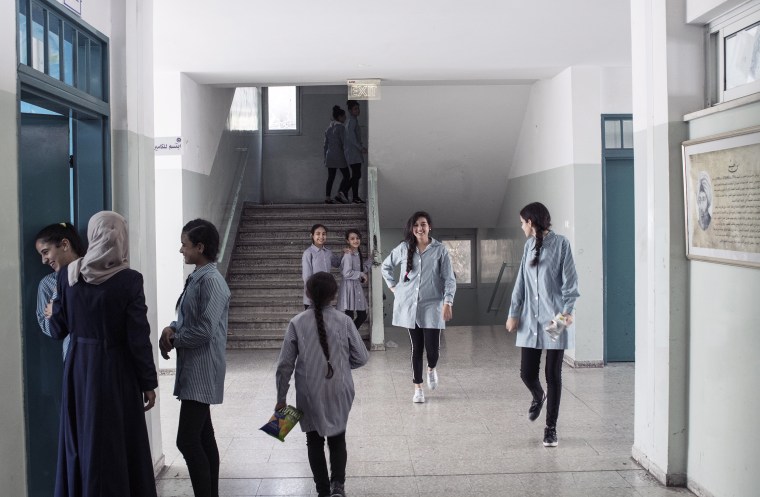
{"x": 619, "y": 260}
{"x": 45, "y": 199}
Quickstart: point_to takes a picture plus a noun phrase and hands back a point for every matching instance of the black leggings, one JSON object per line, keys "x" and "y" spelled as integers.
{"x": 529, "y": 367}
{"x": 356, "y": 175}
{"x": 429, "y": 340}
{"x": 196, "y": 442}
{"x": 344, "y": 183}
{"x": 338, "y": 457}
{"x": 361, "y": 316}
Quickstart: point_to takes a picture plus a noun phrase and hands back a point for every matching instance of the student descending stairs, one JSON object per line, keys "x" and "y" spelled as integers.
{"x": 264, "y": 275}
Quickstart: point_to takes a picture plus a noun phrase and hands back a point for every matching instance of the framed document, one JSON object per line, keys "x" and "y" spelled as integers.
{"x": 721, "y": 177}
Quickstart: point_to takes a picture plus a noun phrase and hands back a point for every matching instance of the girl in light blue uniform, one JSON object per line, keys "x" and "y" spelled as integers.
{"x": 354, "y": 268}
{"x": 317, "y": 258}
{"x": 546, "y": 285}
{"x": 424, "y": 295}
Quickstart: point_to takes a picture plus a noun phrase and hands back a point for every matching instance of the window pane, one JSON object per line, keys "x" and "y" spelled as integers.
{"x": 96, "y": 69}
{"x": 244, "y": 112}
{"x": 69, "y": 34}
{"x": 743, "y": 57}
{"x": 460, "y": 252}
{"x": 612, "y": 138}
{"x": 627, "y": 134}
{"x": 38, "y": 38}
{"x": 54, "y": 46}
{"x": 82, "y": 49}
{"x": 22, "y": 17}
{"x": 281, "y": 105}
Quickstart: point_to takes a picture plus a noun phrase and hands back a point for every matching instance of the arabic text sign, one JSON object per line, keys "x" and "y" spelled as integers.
{"x": 168, "y": 145}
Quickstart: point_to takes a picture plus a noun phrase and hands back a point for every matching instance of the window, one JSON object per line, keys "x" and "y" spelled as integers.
{"x": 462, "y": 260}
{"x": 244, "y": 111}
{"x": 66, "y": 51}
{"x": 618, "y": 132}
{"x": 734, "y": 56}
{"x": 281, "y": 108}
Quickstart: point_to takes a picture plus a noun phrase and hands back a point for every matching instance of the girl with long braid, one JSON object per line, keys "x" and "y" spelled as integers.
{"x": 545, "y": 292}
{"x": 424, "y": 295}
{"x": 322, "y": 346}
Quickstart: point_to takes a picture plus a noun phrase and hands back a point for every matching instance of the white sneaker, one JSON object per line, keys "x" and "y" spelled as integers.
{"x": 432, "y": 378}
{"x": 419, "y": 396}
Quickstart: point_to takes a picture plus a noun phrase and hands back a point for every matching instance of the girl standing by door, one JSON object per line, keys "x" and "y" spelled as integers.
{"x": 546, "y": 285}
{"x": 424, "y": 295}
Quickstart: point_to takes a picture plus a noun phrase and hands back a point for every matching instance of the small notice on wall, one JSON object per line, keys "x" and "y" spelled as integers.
{"x": 168, "y": 145}
{"x": 74, "y": 5}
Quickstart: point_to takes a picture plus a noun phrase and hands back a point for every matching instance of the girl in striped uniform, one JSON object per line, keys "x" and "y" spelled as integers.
{"x": 317, "y": 258}
{"x": 200, "y": 336}
{"x": 322, "y": 346}
{"x": 354, "y": 268}
{"x": 546, "y": 285}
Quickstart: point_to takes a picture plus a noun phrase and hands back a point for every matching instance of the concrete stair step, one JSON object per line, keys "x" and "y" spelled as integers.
{"x": 301, "y": 225}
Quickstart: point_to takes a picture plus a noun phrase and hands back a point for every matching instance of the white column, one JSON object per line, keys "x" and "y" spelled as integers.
{"x": 667, "y": 63}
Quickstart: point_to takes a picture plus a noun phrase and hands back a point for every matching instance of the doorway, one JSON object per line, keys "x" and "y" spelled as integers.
{"x": 618, "y": 238}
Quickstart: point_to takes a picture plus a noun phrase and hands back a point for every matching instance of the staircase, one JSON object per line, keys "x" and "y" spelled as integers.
{"x": 264, "y": 274}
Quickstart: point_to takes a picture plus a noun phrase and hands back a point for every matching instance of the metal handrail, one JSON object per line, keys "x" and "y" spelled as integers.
{"x": 504, "y": 265}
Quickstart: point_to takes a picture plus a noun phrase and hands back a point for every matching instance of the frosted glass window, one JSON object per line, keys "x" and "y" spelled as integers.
{"x": 282, "y": 113}
{"x": 627, "y": 134}
{"x": 244, "y": 111}
{"x": 96, "y": 70}
{"x": 69, "y": 35}
{"x": 82, "y": 49}
{"x": 613, "y": 137}
{"x": 742, "y": 58}
{"x": 460, "y": 253}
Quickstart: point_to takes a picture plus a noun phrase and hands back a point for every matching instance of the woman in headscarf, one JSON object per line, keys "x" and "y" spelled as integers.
{"x": 109, "y": 374}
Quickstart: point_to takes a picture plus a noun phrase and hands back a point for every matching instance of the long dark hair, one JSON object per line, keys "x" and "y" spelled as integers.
{"x": 361, "y": 257}
{"x": 337, "y": 112}
{"x": 539, "y": 216}
{"x": 321, "y": 288}
{"x": 411, "y": 240}
{"x": 56, "y": 233}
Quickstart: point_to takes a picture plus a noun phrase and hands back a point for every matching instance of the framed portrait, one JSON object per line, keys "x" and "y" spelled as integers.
{"x": 721, "y": 177}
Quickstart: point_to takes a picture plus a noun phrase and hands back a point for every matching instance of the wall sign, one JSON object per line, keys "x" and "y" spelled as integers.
{"x": 721, "y": 177}
{"x": 363, "y": 89}
{"x": 168, "y": 145}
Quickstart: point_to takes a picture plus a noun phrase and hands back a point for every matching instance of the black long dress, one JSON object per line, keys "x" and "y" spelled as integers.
{"x": 103, "y": 447}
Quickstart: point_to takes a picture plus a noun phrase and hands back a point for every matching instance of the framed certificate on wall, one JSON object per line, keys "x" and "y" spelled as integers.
{"x": 721, "y": 177}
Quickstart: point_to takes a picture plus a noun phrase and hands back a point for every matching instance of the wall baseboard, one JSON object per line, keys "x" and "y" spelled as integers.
{"x": 698, "y": 489}
{"x": 583, "y": 364}
{"x": 667, "y": 479}
{"x": 159, "y": 466}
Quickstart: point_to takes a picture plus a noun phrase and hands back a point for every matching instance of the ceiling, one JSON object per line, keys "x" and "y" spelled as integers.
{"x": 239, "y": 42}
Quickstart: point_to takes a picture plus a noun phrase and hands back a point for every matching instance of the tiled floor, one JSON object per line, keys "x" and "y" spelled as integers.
{"x": 471, "y": 437}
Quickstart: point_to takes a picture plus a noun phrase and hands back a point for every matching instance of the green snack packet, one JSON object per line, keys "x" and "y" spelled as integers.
{"x": 281, "y": 422}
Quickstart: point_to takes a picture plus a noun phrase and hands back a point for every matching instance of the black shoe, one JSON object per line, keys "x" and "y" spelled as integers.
{"x": 535, "y": 408}
{"x": 550, "y": 436}
{"x": 341, "y": 198}
{"x": 358, "y": 200}
{"x": 337, "y": 490}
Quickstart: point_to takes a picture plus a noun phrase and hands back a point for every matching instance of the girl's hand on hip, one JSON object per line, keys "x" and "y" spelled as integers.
{"x": 512, "y": 324}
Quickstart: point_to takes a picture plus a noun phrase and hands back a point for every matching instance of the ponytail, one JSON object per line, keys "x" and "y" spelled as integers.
{"x": 321, "y": 289}
{"x": 541, "y": 220}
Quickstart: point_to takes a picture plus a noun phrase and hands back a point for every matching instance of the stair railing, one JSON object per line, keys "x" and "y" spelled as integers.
{"x": 377, "y": 333}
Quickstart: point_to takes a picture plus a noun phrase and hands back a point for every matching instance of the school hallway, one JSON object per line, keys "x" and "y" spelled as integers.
{"x": 470, "y": 438}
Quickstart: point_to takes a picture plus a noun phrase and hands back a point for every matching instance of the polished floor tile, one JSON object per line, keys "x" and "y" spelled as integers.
{"x": 470, "y": 438}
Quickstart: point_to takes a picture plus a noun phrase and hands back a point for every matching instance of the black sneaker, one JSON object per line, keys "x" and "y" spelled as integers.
{"x": 337, "y": 490}
{"x": 358, "y": 200}
{"x": 535, "y": 408}
{"x": 341, "y": 198}
{"x": 550, "y": 436}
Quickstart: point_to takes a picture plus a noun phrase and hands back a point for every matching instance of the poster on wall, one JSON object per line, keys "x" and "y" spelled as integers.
{"x": 721, "y": 176}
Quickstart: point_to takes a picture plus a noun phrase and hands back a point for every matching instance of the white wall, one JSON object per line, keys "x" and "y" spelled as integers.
{"x": 557, "y": 162}
{"x": 722, "y": 301}
{"x": 441, "y": 143}
{"x": 668, "y": 81}
{"x": 13, "y": 441}
{"x": 702, "y": 11}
